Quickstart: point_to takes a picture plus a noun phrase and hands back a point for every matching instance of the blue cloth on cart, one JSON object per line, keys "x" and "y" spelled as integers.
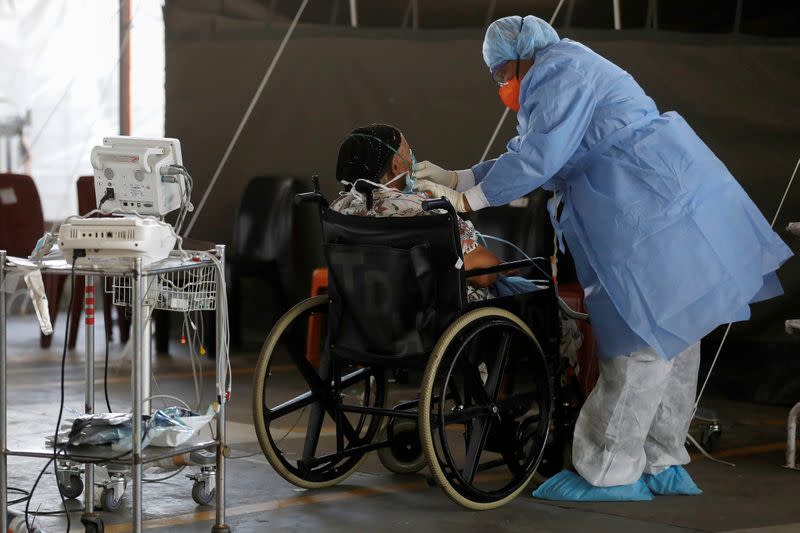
{"x": 674, "y": 481}
{"x": 567, "y": 486}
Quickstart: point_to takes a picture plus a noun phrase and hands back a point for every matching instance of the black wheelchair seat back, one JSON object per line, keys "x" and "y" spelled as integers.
{"x": 395, "y": 284}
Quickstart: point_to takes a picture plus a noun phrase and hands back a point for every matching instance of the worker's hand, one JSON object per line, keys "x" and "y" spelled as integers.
{"x": 428, "y": 171}
{"x": 434, "y": 190}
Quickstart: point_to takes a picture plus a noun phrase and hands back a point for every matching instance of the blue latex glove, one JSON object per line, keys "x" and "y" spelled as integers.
{"x": 567, "y": 486}
{"x": 673, "y": 481}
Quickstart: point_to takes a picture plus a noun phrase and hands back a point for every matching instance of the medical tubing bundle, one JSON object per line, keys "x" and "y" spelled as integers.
{"x": 169, "y": 174}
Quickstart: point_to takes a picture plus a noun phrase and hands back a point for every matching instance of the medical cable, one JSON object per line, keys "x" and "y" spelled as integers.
{"x": 564, "y": 306}
{"x": 187, "y": 187}
{"x": 223, "y": 360}
{"x": 60, "y": 409}
{"x": 728, "y": 328}
{"x": 532, "y": 260}
{"x": 105, "y": 373}
{"x": 507, "y": 109}
{"x": 246, "y": 116}
{"x": 25, "y": 495}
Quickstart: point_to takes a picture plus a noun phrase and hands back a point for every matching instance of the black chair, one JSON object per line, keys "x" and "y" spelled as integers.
{"x": 268, "y": 244}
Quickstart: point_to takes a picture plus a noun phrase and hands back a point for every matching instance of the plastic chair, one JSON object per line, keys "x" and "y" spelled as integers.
{"x": 21, "y": 226}
{"x": 319, "y": 285}
{"x": 87, "y": 202}
{"x": 263, "y": 245}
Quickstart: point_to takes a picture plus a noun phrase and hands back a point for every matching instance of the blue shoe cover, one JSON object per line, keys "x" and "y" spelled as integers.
{"x": 567, "y": 486}
{"x": 674, "y": 481}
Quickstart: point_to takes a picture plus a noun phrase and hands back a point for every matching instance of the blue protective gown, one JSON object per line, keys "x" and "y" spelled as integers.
{"x": 666, "y": 243}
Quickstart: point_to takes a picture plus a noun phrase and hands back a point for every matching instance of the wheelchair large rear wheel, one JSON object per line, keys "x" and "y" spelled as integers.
{"x": 485, "y": 408}
{"x": 305, "y": 438}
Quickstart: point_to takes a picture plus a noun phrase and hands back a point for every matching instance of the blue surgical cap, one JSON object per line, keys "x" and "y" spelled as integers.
{"x": 504, "y": 41}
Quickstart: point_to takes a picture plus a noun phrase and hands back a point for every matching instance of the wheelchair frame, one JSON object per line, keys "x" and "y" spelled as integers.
{"x": 412, "y": 437}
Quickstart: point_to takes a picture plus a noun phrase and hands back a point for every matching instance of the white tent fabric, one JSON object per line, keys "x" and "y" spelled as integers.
{"x": 60, "y": 61}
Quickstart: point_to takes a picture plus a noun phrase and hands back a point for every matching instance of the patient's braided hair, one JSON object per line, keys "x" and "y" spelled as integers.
{"x": 366, "y": 154}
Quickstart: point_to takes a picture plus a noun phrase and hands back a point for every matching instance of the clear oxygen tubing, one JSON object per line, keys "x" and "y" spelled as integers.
{"x": 505, "y": 113}
{"x": 566, "y": 309}
{"x": 246, "y": 117}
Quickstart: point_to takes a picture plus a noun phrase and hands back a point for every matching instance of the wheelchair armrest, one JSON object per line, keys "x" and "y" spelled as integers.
{"x": 502, "y": 267}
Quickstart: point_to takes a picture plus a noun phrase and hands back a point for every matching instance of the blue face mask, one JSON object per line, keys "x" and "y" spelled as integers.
{"x": 409, "y": 188}
{"x": 410, "y": 176}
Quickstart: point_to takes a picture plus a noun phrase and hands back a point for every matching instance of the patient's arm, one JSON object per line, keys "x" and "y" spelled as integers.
{"x": 480, "y": 257}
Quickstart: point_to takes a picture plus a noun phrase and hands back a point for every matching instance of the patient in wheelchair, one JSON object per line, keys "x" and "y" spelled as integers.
{"x": 375, "y": 165}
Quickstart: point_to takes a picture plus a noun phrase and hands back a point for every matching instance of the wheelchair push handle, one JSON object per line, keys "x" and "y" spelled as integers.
{"x": 313, "y": 196}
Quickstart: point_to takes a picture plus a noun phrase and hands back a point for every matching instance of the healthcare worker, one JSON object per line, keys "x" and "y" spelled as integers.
{"x": 667, "y": 246}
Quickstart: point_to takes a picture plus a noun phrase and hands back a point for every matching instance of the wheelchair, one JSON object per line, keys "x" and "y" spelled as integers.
{"x": 496, "y": 403}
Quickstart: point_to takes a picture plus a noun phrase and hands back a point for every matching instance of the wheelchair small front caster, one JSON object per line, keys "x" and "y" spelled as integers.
{"x": 404, "y": 453}
{"x": 92, "y": 523}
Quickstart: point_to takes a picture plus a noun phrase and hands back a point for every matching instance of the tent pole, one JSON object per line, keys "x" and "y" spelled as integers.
{"x": 124, "y": 67}
{"x": 353, "y": 14}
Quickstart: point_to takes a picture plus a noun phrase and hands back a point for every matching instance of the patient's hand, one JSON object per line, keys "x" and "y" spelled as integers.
{"x": 481, "y": 258}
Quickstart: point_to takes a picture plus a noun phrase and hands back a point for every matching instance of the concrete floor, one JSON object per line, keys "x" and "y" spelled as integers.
{"x": 757, "y": 494}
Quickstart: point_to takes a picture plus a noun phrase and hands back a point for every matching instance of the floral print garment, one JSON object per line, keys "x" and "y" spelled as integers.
{"x": 393, "y": 203}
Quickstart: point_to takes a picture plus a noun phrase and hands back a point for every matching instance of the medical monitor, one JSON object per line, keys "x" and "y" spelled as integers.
{"x": 130, "y": 175}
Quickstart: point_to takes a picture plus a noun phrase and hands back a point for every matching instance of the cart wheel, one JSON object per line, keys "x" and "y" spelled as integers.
{"x": 92, "y": 523}
{"x": 484, "y": 433}
{"x": 110, "y": 501}
{"x": 404, "y": 453}
{"x": 295, "y": 404}
{"x": 200, "y": 495}
{"x": 73, "y": 489}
